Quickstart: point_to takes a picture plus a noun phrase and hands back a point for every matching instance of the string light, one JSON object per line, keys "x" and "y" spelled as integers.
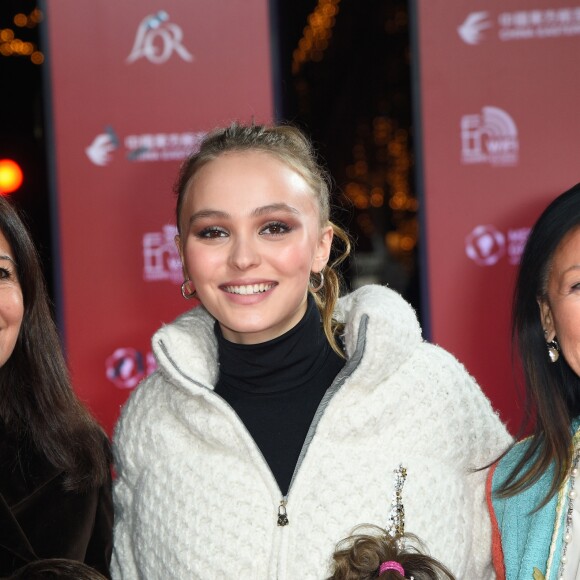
{"x": 316, "y": 34}
{"x": 384, "y": 179}
{"x": 378, "y": 178}
{"x": 11, "y": 46}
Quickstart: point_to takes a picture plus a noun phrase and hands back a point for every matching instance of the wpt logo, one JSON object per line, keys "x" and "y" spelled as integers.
{"x": 471, "y": 31}
{"x": 485, "y": 245}
{"x": 160, "y": 256}
{"x": 157, "y": 39}
{"x": 491, "y": 137}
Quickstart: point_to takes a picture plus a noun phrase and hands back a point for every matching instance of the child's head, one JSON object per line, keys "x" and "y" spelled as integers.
{"x": 371, "y": 553}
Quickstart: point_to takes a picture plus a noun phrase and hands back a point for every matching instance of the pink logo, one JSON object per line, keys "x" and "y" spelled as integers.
{"x": 127, "y": 367}
{"x": 485, "y": 245}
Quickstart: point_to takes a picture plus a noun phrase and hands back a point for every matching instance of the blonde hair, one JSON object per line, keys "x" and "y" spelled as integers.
{"x": 292, "y": 147}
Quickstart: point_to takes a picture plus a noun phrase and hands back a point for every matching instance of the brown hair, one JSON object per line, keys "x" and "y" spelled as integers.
{"x": 360, "y": 556}
{"x": 38, "y": 407}
{"x": 289, "y": 145}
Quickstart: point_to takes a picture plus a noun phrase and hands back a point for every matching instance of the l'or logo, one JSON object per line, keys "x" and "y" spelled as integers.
{"x": 157, "y": 39}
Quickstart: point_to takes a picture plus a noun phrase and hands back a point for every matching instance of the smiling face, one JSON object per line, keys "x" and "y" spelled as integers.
{"x": 11, "y": 302}
{"x": 561, "y": 308}
{"x": 250, "y": 238}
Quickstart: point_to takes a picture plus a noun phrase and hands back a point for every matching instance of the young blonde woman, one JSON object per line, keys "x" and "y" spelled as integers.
{"x": 279, "y": 411}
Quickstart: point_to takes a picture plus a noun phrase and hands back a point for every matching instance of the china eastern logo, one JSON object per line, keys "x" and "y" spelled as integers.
{"x": 103, "y": 145}
{"x": 489, "y": 137}
{"x": 521, "y": 25}
{"x": 158, "y": 39}
{"x": 486, "y": 245}
{"x": 143, "y": 148}
{"x": 473, "y": 28}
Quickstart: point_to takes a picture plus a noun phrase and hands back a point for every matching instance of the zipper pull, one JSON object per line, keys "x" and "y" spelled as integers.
{"x": 282, "y": 516}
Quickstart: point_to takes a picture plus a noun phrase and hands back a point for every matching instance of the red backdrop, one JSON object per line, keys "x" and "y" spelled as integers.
{"x": 135, "y": 84}
{"x": 499, "y": 92}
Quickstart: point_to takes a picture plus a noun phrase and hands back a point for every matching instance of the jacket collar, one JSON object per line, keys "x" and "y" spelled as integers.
{"x": 186, "y": 349}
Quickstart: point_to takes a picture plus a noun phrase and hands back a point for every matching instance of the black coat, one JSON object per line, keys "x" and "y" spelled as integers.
{"x": 39, "y": 519}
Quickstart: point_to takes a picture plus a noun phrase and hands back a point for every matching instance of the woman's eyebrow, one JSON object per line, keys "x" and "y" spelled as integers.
{"x": 259, "y": 211}
{"x": 265, "y": 209}
{"x": 208, "y": 213}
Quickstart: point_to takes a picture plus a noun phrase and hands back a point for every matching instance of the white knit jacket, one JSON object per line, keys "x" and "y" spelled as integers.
{"x": 194, "y": 497}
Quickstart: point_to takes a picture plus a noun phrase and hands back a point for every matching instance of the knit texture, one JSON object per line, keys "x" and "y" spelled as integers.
{"x": 195, "y": 498}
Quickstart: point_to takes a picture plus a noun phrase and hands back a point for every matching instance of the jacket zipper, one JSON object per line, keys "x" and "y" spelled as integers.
{"x": 282, "y": 515}
{"x": 350, "y": 366}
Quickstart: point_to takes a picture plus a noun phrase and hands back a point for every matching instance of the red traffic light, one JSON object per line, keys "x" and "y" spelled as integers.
{"x": 10, "y": 176}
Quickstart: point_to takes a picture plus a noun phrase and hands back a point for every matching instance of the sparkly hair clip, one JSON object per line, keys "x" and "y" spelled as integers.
{"x": 396, "y": 521}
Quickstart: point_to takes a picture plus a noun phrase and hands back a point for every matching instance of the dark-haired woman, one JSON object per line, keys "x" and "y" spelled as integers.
{"x": 55, "y": 499}
{"x": 534, "y": 486}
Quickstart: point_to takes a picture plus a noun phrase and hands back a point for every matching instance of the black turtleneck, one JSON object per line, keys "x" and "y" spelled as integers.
{"x": 275, "y": 387}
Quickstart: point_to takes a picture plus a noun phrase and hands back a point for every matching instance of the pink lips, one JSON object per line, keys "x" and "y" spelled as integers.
{"x": 248, "y": 292}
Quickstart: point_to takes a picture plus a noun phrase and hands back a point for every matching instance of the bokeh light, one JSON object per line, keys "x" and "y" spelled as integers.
{"x": 11, "y": 176}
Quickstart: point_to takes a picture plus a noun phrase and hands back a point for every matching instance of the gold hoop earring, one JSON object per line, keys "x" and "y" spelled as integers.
{"x": 320, "y": 285}
{"x": 186, "y": 291}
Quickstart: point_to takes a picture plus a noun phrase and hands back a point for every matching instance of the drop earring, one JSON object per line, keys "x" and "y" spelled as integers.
{"x": 553, "y": 350}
